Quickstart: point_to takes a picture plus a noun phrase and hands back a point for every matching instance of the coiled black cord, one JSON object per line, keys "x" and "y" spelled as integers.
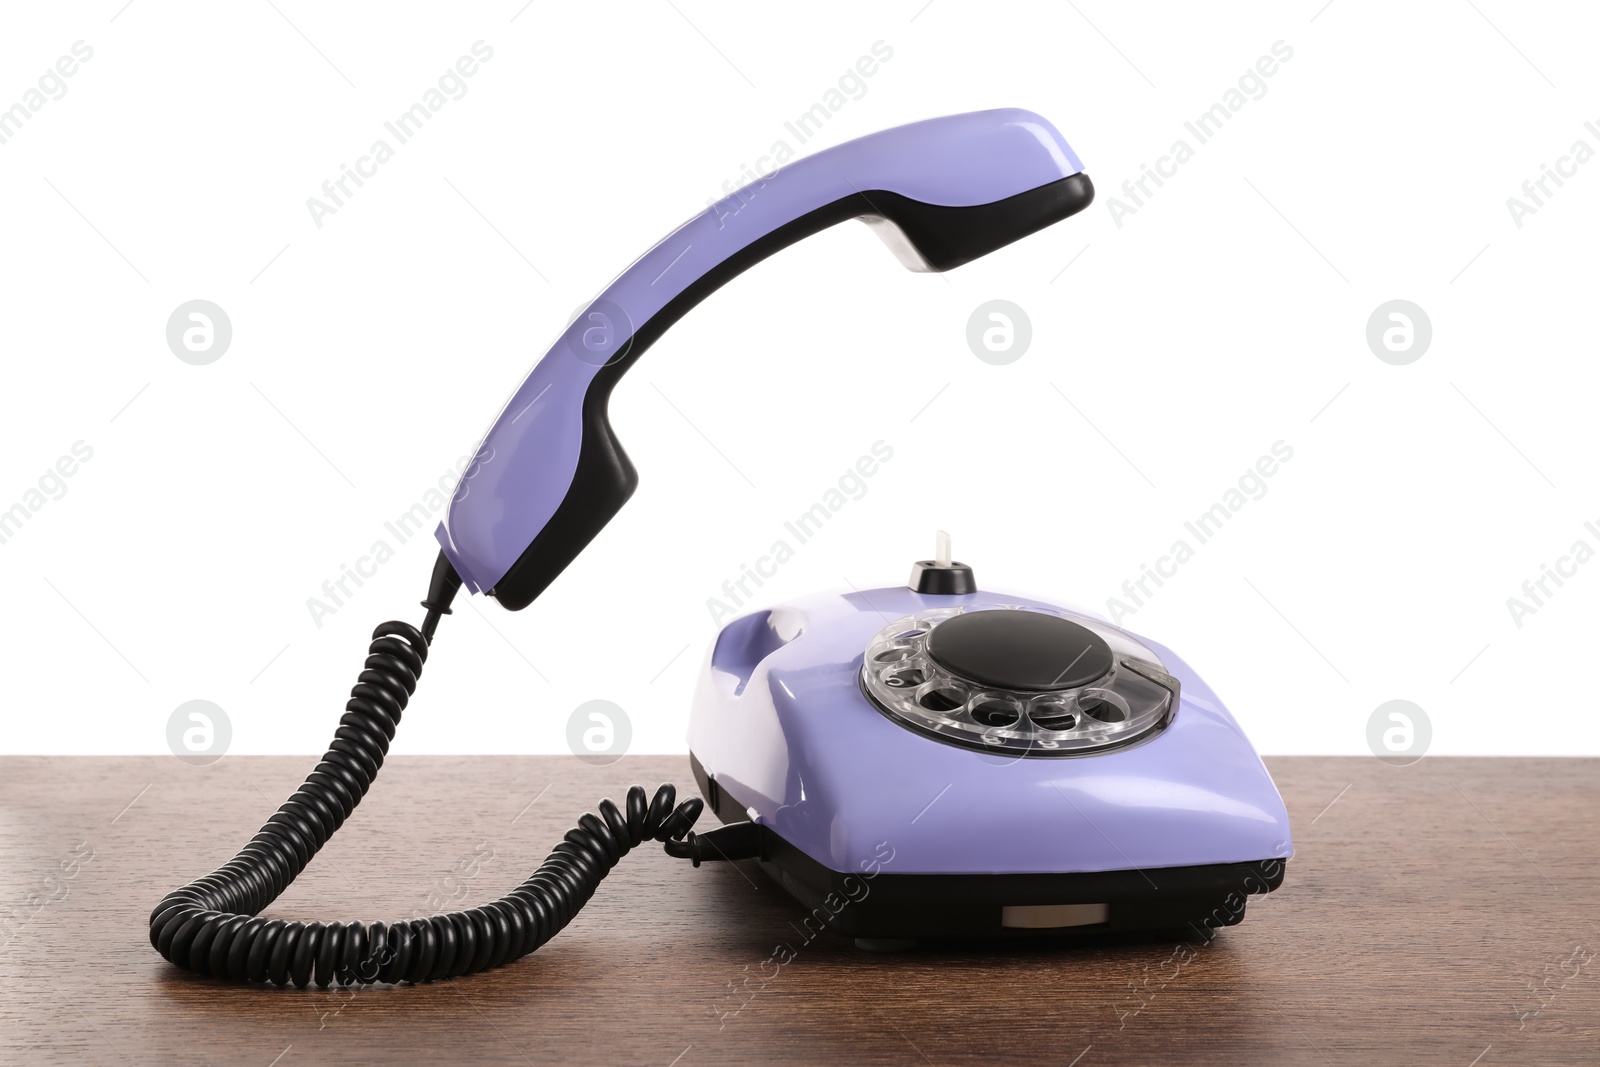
{"x": 211, "y": 925}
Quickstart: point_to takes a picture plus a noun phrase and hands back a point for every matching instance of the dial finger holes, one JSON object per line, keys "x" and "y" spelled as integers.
{"x": 950, "y": 692}
{"x": 1054, "y": 717}
{"x": 994, "y": 712}
{"x": 1103, "y": 706}
{"x": 942, "y": 699}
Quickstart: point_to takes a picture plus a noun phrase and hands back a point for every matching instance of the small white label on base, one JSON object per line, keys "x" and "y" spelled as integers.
{"x": 1052, "y": 916}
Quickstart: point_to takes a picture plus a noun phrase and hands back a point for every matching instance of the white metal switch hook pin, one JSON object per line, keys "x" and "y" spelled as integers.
{"x": 942, "y": 575}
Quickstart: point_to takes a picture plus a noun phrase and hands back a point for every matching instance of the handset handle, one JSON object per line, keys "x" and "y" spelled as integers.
{"x": 550, "y": 472}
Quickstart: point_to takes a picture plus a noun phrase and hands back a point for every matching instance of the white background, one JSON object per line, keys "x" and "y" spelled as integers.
{"x": 1228, "y": 313}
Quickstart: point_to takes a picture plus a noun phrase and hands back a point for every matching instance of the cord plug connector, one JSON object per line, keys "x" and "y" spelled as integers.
{"x": 735, "y": 841}
{"x": 442, "y": 589}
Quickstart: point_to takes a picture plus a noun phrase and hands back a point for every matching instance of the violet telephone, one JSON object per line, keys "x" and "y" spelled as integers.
{"x": 915, "y": 762}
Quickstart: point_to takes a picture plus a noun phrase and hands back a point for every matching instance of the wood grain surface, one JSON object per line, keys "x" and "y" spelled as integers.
{"x": 1447, "y": 912}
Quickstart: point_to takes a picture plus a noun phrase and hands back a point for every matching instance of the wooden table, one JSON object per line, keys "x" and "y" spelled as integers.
{"x": 1447, "y": 912}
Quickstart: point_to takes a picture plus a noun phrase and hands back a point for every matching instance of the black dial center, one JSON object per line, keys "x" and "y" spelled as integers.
{"x": 1010, "y": 649}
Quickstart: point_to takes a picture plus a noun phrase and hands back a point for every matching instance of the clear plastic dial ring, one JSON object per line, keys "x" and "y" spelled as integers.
{"x": 1133, "y": 700}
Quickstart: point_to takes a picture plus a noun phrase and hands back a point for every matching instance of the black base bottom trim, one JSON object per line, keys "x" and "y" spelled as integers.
{"x": 1187, "y": 902}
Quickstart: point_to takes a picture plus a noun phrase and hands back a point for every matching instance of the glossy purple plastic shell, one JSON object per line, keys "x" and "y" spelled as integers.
{"x": 528, "y": 458}
{"x": 781, "y": 724}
